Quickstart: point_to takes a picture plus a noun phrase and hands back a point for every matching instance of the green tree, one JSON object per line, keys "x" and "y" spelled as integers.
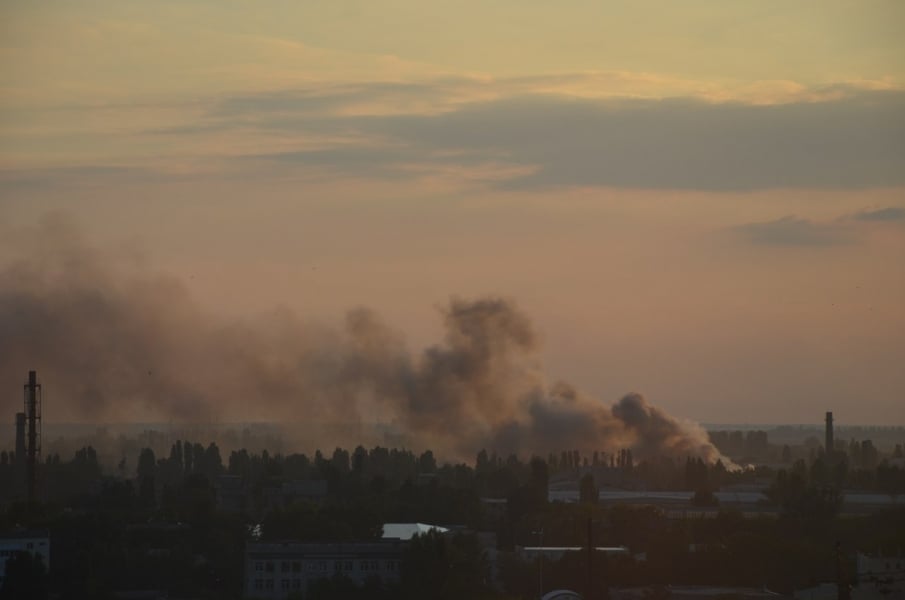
{"x": 445, "y": 567}
{"x": 147, "y": 471}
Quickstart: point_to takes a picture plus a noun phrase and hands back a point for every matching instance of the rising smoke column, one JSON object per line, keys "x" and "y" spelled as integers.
{"x": 118, "y": 341}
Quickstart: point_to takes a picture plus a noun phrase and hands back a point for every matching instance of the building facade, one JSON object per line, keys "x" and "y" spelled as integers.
{"x": 36, "y": 543}
{"x": 274, "y": 570}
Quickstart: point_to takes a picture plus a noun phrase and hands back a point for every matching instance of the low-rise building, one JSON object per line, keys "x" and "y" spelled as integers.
{"x": 273, "y": 570}
{"x": 880, "y": 577}
{"x": 36, "y": 543}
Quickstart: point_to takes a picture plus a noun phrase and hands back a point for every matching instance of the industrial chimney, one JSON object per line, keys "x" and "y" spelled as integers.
{"x": 33, "y": 426}
{"x": 830, "y": 446}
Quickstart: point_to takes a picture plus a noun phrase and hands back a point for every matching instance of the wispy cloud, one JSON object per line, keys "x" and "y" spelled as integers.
{"x": 881, "y": 214}
{"x": 851, "y": 142}
{"x": 795, "y": 231}
{"x": 798, "y": 231}
{"x": 833, "y": 137}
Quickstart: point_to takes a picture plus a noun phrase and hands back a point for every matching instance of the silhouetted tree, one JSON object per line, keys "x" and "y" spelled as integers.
{"x": 147, "y": 471}
{"x": 588, "y": 492}
{"x": 445, "y": 567}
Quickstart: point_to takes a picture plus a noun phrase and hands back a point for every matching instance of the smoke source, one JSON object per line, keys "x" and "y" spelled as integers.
{"x": 117, "y": 344}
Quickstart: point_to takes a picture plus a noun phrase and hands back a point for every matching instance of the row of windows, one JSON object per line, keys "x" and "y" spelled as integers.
{"x": 285, "y": 584}
{"x": 311, "y": 566}
{"x": 14, "y": 552}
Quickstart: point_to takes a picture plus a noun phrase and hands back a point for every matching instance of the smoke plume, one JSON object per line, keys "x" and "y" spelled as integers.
{"x": 124, "y": 343}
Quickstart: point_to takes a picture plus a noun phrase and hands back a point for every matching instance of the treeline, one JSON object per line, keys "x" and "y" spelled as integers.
{"x": 162, "y": 526}
{"x": 155, "y": 480}
{"x": 740, "y": 443}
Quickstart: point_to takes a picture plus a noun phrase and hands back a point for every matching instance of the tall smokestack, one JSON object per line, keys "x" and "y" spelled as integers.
{"x": 33, "y": 423}
{"x": 20, "y": 438}
{"x": 829, "y": 435}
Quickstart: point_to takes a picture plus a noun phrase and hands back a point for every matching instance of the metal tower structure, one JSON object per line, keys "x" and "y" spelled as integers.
{"x": 20, "y": 438}
{"x": 33, "y": 426}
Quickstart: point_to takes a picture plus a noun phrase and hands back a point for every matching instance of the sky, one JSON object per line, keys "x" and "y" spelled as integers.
{"x": 703, "y": 202}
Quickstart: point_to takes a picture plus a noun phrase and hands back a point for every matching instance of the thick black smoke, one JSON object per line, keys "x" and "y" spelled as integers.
{"x": 118, "y": 343}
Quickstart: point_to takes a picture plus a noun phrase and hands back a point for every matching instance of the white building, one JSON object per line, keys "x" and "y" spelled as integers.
{"x": 36, "y": 543}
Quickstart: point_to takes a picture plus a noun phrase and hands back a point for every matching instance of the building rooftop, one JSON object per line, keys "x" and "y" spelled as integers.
{"x": 19, "y": 534}
{"x": 406, "y": 531}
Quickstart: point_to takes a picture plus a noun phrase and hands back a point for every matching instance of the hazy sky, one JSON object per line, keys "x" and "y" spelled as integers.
{"x": 701, "y": 201}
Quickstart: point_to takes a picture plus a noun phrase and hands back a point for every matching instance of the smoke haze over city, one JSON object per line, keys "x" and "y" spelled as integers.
{"x": 120, "y": 341}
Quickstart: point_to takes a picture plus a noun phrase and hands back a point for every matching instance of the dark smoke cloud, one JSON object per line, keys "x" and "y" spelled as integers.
{"x": 113, "y": 340}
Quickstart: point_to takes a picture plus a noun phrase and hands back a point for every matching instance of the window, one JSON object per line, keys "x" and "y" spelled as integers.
{"x": 284, "y": 585}
{"x": 259, "y": 584}
{"x": 259, "y": 566}
{"x": 284, "y": 566}
{"x": 364, "y": 565}
{"x": 348, "y": 565}
{"x": 269, "y": 566}
{"x": 296, "y": 566}
{"x": 391, "y": 566}
{"x": 337, "y": 565}
{"x": 268, "y": 584}
{"x": 296, "y": 584}
{"x": 323, "y": 565}
{"x": 375, "y": 566}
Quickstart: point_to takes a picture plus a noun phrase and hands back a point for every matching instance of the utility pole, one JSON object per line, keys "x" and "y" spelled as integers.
{"x": 842, "y": 589}
{"x": 540, "y": 564}
{"x": 589, "y": 587}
